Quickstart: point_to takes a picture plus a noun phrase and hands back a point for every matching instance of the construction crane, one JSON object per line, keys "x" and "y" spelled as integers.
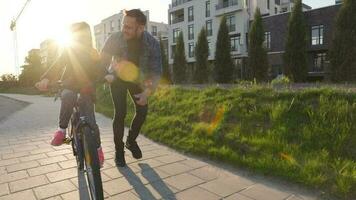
{"x": 13, "y": 29}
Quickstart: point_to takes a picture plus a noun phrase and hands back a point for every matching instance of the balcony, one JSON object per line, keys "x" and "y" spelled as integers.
{"x": 229, "y": 6}
{"x": 177, "y": 20}
{"x": 176, "y": 3}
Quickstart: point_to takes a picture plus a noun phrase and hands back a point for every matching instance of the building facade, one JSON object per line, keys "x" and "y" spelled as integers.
{"x": 49, "y": 50}
{"x": 320, "y": 26}
{"x": 190, "y": 16}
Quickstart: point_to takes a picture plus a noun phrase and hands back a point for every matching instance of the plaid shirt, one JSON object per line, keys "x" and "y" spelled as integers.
{"x": 150, "y": 63}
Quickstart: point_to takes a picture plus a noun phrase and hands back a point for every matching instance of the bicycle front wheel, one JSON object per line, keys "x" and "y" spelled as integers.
{"x": 92, "y": 165}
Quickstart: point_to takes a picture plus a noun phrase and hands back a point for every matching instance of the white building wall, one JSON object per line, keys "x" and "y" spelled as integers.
{"x": 243, "y": 12}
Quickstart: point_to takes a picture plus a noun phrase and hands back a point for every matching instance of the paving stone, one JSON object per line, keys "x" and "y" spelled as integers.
{"x": 13, "y": 176}
{"x": 14, "y": 155}
{"x": 32, "y": 157}
{"x": 227, "y": 186}
{"x": 113, "y": 173}
{"x": 194, "y": 163}
{"x": 28, "y": 183}
{"x": 261, "y": 192}
{"x": 175, "y": 168}
{"x": 4, "y": 189}
{"x": 183, "y": 181}
{"x": 208, "y": 173}
{"x": 9, "y": 162}
{"x": 51, "y": 160}
{"x": 237, "y": 197}
{"x": 170, "y": 158}
{"x": 54, "y": 189}
{"x": 42, "y": 150}
{"x": 68, "y": 164}
{"x": 126, "y": 195}
{"x": 60, "y": 152}
{"x": 62, "y": 174}
{"x": 157, "y": 190}
{"x": 196, "y": 193}
{"x": 43, "y": 169}
{"x": 21, "y": 166}
{"x": 116, "y": 186}
{"x": 24, "y": 195}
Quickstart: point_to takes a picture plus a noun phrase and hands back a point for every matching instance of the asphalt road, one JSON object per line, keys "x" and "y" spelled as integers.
{"x": 9, "y": 106}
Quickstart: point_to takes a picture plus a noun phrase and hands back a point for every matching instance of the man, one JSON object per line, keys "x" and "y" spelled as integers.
{"x": 131, "y": 47}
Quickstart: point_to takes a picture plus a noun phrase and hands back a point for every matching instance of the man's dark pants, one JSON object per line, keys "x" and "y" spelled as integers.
{"x": 119, "y": 89}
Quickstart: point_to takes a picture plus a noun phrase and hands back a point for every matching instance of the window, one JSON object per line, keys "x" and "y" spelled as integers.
{"x": 104, "y": 29}
{"x": 111, "y": 26}
{"x": 275, "y": 10}
{"x": 191, "y": 32}
{"x": 173, "y": 51}
{"x": 319, "y": 62}
{"x": 230, "y": 21}
{"x": 207, "y": 9}
{"x": 154, "y": 30}
{"x": 191, "y": 49}
{"x": 175, "y": 34}
{"x": 267, "y": 42}
{"x": 284, "y": 9}
{"x": 235, "y": 41}
{"x": 190, "y": 14}
{"x": 318, "y": 35}
{"x": 209, "y": 48}
{"x": 268, "y": 5}
{"x": 209, "y": 28}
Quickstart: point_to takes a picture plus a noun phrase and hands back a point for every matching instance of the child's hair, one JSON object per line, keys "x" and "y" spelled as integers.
{"x": 82, "y": 34}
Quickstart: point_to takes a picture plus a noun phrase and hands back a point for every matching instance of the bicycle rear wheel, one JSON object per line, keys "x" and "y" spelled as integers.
{"x": 92, "y": 165}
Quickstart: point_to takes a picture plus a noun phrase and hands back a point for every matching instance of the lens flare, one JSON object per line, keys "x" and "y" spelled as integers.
{"x": 127, "y": 71}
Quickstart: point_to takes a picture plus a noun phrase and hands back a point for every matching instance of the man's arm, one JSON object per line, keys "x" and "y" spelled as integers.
{"x": 111, "y": 48}
{"x": 155, "y": 67}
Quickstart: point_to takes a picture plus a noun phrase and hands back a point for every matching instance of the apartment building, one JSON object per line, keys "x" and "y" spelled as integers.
{"x": 114, "y": 23}
{"x": 320, "y": 23}
{"x": 49, "y": 50}
{"x": 190, "y": 16}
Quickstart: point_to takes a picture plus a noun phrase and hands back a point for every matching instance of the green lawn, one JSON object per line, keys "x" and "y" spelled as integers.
{"x": 307, "y": 137}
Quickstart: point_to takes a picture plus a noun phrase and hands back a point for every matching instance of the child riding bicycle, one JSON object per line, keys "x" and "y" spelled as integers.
{"x": 79, "y": 64}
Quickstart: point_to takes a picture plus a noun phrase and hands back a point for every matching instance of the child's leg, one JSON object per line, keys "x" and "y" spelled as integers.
{"x": 68, "y": 100}
{"x": 87, "y": 108}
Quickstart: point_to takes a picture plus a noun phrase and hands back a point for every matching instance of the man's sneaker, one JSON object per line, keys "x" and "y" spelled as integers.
{"x": 101, "y": 157}
{"x": 120, "y": 158}
{"x": 134, "y": 148}
{"x": 58, "y": 138}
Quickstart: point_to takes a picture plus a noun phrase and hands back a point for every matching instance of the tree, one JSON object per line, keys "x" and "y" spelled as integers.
{"x": 257, "y": 54}
{"x": 343, "y": 48}
{"x": 223, "y": 67}
{"x": 295, "y": 56}
{"x": 166, "y": 75}
{"x": 201, "y": 56}
{"x": 32, "y": 70}
{"x": 180, "y": 62}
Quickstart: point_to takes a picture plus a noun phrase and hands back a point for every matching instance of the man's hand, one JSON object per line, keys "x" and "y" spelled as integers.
{"x": 42, "y": 85}
{"x": 109, "y": 78}
{"x": 142, "y": 98}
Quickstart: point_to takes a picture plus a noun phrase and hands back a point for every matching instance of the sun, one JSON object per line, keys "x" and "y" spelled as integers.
{"x": 64, "y": 38}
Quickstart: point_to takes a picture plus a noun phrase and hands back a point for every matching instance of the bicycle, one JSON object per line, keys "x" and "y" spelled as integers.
{"x": 81, "y": 137}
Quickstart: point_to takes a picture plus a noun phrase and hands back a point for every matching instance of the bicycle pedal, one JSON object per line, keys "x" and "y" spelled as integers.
{"x": 67, "y": 140}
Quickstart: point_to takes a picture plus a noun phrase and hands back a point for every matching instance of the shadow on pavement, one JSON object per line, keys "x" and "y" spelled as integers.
{"x": 152, "y": 177}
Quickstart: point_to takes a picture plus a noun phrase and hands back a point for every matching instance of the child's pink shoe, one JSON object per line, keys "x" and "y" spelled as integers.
{"x": 58, "y": 138}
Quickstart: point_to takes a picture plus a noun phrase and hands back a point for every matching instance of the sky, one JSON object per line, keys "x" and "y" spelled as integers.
{"x": 43, "y": 19}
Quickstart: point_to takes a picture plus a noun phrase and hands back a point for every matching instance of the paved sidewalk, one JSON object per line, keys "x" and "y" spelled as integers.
{"x": 32, "y": 169}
